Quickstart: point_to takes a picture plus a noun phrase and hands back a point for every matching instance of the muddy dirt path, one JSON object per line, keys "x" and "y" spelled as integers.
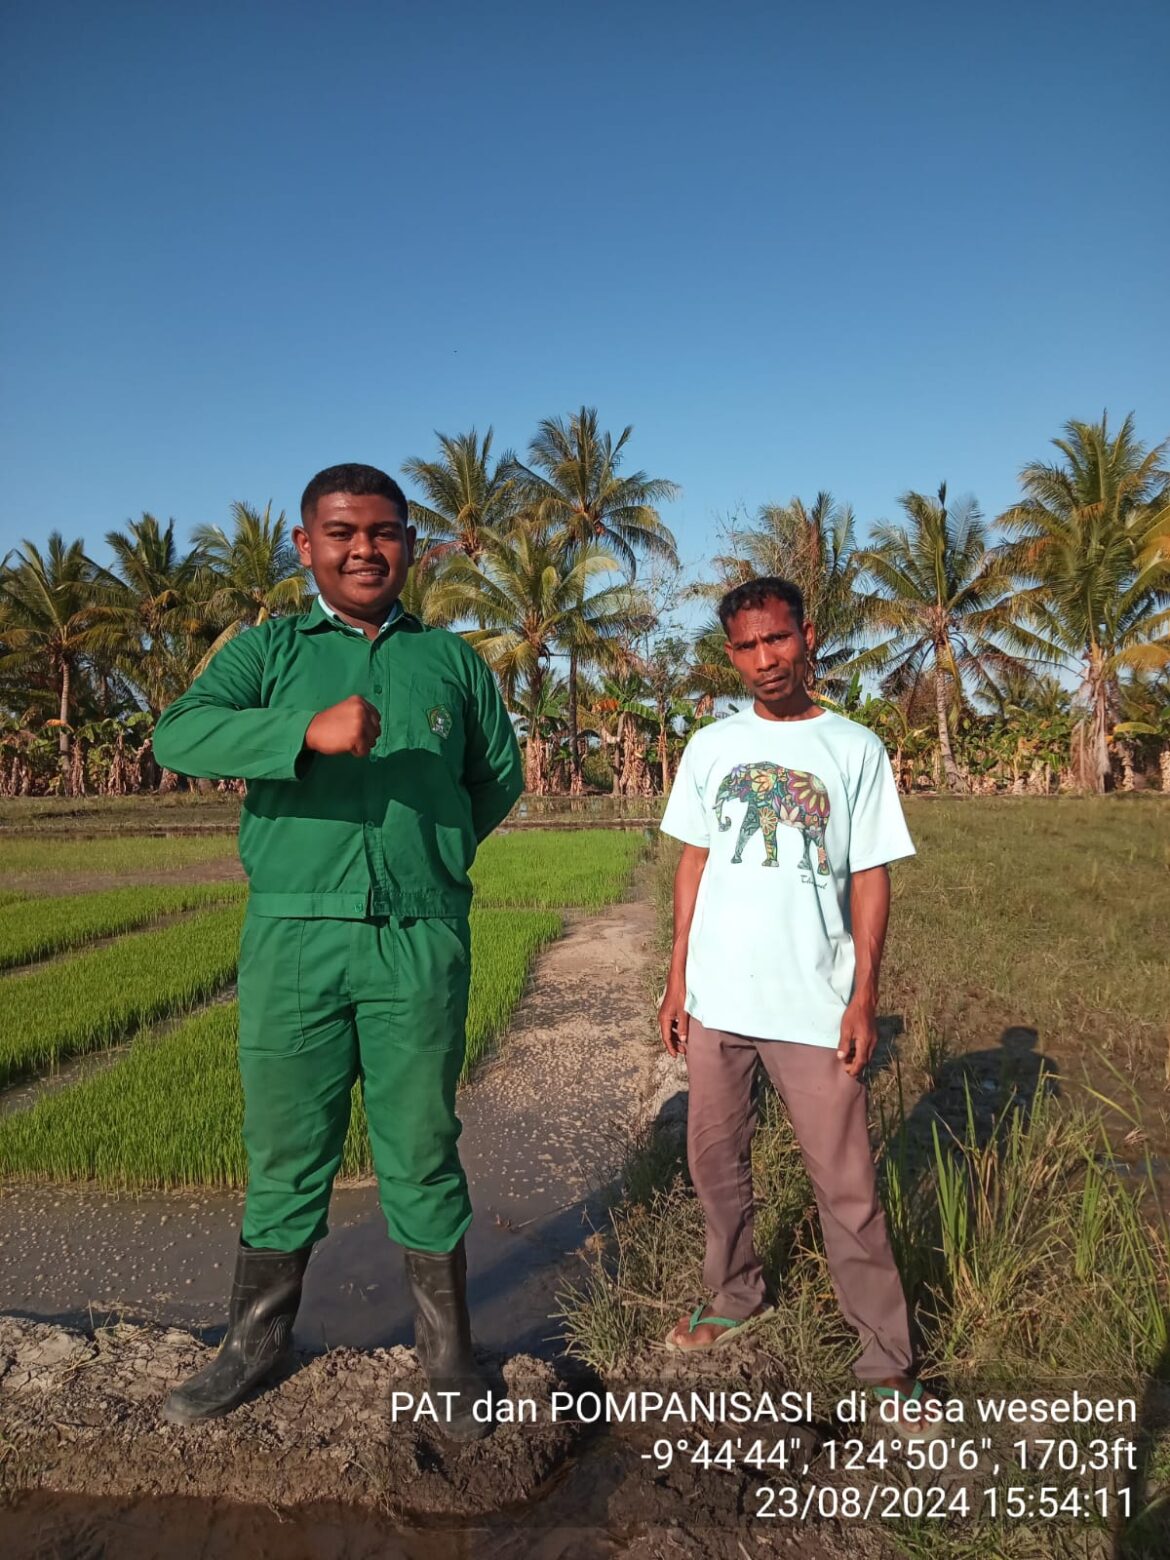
{"x": 317, "y": 1467}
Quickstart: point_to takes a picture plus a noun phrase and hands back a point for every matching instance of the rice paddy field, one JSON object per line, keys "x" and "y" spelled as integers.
{"x": 34, "y": 865}
{"x": 587, "y": 868}
{"x": 96, "y": 998}
{"x": 35, "y": 929}
{"x": 151, "y": 1004}
{"x": 169, "y": 1112}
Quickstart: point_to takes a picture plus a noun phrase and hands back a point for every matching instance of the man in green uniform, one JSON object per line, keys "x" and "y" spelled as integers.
{"x": 377, "y": 753}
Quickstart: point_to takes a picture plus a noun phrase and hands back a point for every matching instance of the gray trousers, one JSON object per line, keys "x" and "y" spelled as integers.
{"x": 828, "y": 1112}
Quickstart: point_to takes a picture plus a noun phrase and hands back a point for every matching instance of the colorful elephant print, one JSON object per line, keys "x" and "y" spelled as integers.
{"x": 775, "y": 795}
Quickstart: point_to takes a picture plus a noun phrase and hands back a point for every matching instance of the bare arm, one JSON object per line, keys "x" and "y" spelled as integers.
{"x": 673, "y": 1019}
{"x": 869, "y": 908}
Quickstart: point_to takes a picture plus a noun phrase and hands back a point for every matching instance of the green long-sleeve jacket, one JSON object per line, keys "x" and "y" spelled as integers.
{"x": 392, "y": 834}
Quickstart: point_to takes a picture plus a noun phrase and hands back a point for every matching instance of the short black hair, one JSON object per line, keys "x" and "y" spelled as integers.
{"x": 754, "y": 593}
{"x": 356, "y": 479}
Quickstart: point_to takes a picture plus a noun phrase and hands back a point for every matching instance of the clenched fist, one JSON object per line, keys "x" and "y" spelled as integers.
{"x": 353, "y": 726}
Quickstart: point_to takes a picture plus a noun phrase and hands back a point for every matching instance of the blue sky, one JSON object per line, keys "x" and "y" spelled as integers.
{"x": 848, "y": 246}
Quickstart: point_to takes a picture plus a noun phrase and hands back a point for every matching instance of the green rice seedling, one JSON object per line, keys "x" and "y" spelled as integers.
{"x": 37, "y": 928}
{"x": 170, "y": 1111}
{"x": 93, "y": 999}
{"x": 32, "y": 863}
{"x": 10, "y": 896}
{"x": 541, "y": 867}
{"x": 503, "y": 947}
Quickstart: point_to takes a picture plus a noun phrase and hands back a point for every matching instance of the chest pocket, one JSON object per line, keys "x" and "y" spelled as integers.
{"x": 435, "y": 719}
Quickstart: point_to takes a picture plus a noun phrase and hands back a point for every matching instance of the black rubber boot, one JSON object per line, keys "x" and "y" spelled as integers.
{"x": 442, "y": 1339}
{"x": 266, "y": 1292}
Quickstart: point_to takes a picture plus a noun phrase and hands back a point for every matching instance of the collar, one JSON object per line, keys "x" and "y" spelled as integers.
{"x": 322, "y": 615}
{"x": 395, "y": 614}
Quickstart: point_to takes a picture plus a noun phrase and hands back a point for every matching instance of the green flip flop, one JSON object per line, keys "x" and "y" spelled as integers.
{"x": 732, "y": 1329}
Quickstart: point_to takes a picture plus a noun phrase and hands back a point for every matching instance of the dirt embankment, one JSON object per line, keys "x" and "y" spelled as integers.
{"x": 316, "y": 1468}
{"x": 80, "y": 1415}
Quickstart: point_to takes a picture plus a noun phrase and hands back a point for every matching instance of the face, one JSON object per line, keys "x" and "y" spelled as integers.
{"x": 359, "y": 548}
{"x": 770, "y": 650}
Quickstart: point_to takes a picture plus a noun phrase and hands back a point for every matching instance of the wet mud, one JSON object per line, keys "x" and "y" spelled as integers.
{"x": 319, "y": 1464}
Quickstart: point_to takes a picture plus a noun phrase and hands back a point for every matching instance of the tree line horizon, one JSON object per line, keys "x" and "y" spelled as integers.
{"x": 561, "y": 572}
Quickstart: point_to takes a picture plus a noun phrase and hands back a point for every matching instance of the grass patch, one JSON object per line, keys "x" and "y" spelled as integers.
{"x": 589, "y": 868}
{"x": 37, "y": 928}
{"x": 11, "y": 896}
{"x": 93, "y": 999}
{"x": 1042, "y": 914}
{"x": 29, "y": 862}
{"x": 1036, "y": 1269}
{"x": 170, "y": 1112}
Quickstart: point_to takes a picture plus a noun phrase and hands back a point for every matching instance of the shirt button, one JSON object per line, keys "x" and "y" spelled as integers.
{"x": 377, "y": 687}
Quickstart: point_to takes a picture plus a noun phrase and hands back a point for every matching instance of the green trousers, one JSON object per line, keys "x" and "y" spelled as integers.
{"x": 322, "y": 1003}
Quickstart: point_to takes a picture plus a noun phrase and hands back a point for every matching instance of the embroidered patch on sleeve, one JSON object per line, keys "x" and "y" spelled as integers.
{"x": 439, "y": 720}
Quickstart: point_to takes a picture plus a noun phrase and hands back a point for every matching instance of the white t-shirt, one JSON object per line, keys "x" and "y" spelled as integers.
{"x": 787, "y": 810}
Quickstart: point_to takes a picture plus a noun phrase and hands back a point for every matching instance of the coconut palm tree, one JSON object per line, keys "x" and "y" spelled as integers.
{"x": 1090, "y": 544}
{"x": 625, "y": 698}
{"x": 425, "y": 593}
{"x": 534, "y": 596}
{"x": 670, "y": 679}
{"x": 938, "y": 606}
{"x": 468, "y": 500}
{"x": 1145, "y": 711}
{"x": 1022, "y": 690}
{"x": 47, "y": 624}
{"x": 251, "y": 573}
{"x": 574, "y": 483}
{"x": 542, "y": 718}
{"x": 150, "y": 614}
{"x": 815, "y": 546}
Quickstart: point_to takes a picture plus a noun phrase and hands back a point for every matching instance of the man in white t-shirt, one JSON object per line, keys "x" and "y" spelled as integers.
{"x": 788, "y": 814}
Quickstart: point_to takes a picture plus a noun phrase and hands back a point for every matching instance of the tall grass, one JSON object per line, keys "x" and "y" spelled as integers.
{"x": 590, "y": 867}
{"x": 1033, "y": 1265}
{"x": 95, "y": 998}
{"x": 170, "y": 1112}
{"x": 37, "y": 928}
